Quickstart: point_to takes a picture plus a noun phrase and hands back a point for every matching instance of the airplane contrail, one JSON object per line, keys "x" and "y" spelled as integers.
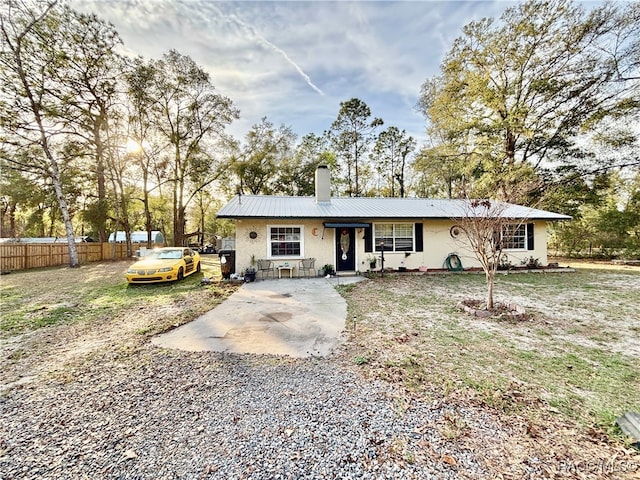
{"x": 306, "y": 77}
{"x": 253, "y": 33}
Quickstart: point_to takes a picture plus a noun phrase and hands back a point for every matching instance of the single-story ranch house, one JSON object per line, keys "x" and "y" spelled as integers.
{"x": 347, "y": 233}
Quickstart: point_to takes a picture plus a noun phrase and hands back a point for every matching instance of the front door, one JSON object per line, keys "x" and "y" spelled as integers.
{"x": 345, "y": 249}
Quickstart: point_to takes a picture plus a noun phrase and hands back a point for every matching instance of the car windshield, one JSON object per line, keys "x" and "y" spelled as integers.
{"x": 167, "y": 254}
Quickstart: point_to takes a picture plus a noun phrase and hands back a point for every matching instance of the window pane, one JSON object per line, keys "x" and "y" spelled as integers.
{"x": 383, "y": 233}
{"x": 285, "y": 241}
{"x": 404, "y": 244}
{"x": 404, "y": 229}
{"x": 384, "y": 230}
{"x": 403, "y": 237}
{"x": 396, "y": 237}
{"x": 388, "y": 244}
{"x": 514, "y": 236}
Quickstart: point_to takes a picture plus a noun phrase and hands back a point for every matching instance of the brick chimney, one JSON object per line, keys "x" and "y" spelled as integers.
{"x": 323, "y": 184}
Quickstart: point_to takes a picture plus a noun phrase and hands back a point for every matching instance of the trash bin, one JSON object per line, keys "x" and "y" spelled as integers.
{"x": 227, "y": 262}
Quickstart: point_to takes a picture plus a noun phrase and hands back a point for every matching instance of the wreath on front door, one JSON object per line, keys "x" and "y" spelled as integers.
{"x": 345, "y": 242}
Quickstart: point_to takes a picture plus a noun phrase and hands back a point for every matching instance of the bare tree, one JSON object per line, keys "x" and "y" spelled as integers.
{"x": 484, "y": 227}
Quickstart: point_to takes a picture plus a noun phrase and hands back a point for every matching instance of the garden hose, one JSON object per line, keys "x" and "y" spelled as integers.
{"x": 453, "y": 263}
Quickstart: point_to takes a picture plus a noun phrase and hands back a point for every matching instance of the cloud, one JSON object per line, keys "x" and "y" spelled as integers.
{"x": 296, "y": 61}
{"x": 252, "y": 33}
{"x": 276, "y": 49}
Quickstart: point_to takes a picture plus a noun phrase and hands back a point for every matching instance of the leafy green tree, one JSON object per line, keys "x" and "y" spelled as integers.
{"x": 89, "y": 72}
{"x": 256, "y": 165}
{"x": 518, "y": 93}
{"x": 615, "y": 221}
{"x": 440, "y": 172}
{"x": 31, "y": 53}
{"x": 390, "y": 157}
{"x": 296, "y": 176}
{"x": 352, "y": 133}
{"x": 204, "y": 212}
{"x": 19, "y": 194}
{"x": 121, "y": 173}
{"x": 191, "y": 119}
{"x": 145, "y": 146}
{"x": 69, "y": 72}
{"x": 606, "y": 223}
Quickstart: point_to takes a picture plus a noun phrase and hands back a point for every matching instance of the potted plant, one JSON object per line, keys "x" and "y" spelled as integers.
{"x": 372, "y": 261}
{"x": 328, "y": 269}
{"x": 250, "y": 274}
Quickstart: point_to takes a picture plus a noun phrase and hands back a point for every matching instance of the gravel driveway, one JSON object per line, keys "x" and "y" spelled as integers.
{"x": 160, "y": 414}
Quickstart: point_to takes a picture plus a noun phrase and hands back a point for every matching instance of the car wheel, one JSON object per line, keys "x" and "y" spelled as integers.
{"x": 180, "y": 274}
{"x": 198, "y": 268}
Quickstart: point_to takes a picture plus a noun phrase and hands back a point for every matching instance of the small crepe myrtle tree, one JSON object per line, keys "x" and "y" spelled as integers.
{"x": 483, "y": 231}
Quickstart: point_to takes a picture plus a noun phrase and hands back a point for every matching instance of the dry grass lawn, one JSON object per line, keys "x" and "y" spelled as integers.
{"x": 556, "y": 381}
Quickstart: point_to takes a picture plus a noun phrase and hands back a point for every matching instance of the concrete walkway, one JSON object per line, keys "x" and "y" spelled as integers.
{"x": 299, "y": 317}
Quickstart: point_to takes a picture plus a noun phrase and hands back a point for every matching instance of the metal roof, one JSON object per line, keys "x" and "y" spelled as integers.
{"x": 272, "y": 206}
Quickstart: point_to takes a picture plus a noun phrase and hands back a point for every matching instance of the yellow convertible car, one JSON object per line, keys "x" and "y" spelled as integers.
{"x": 164, "y": 265}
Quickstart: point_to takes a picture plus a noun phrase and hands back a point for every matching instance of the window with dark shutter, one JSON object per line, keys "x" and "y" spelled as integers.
{"x": 529, "y": 236}
{"x": 514, "y": 236}
{"x": 396, "y": 237}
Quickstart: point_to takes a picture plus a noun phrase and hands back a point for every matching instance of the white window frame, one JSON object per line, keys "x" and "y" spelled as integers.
{"x": 376, "y": 245}
{"x": 270, "y": 242}
{"x": 514, "y": 236}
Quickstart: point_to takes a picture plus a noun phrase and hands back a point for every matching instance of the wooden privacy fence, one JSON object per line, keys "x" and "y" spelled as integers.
{"x": 22, "y": 256}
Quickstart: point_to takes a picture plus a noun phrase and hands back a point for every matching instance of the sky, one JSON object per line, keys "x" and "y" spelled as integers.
{"x": 294, "y": 62}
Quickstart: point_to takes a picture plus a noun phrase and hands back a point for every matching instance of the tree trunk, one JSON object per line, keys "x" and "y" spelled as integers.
{"x": 179, "y": 226}
{"x": 64, "y": 210}
{"x": 509, "y": 147}
{"x": 122, "y": 213}
{"x": 392, "y": 177}
{"x": 10, "y": 218}
{"x": 54, "y": 173}
{"x": 148, "y": 223}
{"x": 101, "y": 223}
{"x": 147, "y": 217}
{"x": 202, "y": 227}
{"x": 126, "y": 228}
{"x": 400, "y": 176}
{"x": 178, "y": 183}
{"x": 177, "y": 237}
{"x": 490, "y": 279}
{"x": 357, "y": 186}
{"x": 37, "y": 109}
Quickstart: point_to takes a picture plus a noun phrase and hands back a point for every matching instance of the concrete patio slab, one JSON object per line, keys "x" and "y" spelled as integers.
{"x": 296, "y": 317}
